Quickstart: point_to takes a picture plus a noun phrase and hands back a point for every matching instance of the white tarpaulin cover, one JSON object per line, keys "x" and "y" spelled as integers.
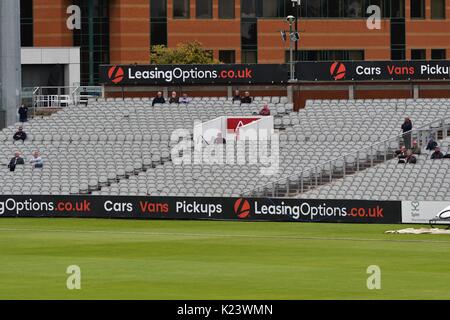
{"x": 420, "y": 231}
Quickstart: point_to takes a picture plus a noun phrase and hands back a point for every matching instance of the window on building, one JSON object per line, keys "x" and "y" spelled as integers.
{"x": 249, "y": 34}
{"x": 418, "y": 54}
{"x": 397, "y": 8}
{"x": 248, "y": 8}
{"x": 181, "y": 9}
{"x": 418, "y": 9}
{"x": 249, "y": 56}
{"x": 273, "y": 8}
{"x": 353, "y": 8}
{"x": 203, "y": 9}
{"x": 356, "y": 55}
{"x": 335, "y": 8}
{"x": 398, "y": 54}
{"x": 327, "y": 55}
{"x": 158, "y": 8}
{"x": 94, "y": 47}
{"x": 26, "y": 23}
{"x": 226, "y": 9}
{"x": 158, "y": 22}
{"x": 158, "y": 34}
{"x": 384, "y": 5}
{"x": 438, "y": 54}
{"x": 227, "y": 56}
{"x": 437, "y": 9}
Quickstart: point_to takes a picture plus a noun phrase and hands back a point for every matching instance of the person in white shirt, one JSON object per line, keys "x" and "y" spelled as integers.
{"x": 184, "y": 99}
{"x": 36, "y": 161}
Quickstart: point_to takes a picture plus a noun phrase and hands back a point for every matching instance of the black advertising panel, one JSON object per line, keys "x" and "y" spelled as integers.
{"x": 193, "y": 74}
{"x": 373, "y": 70}
{"x": 244, "y": 209}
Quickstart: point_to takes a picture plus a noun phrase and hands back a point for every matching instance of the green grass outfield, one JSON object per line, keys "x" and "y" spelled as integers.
{"x": 122, "y": 259}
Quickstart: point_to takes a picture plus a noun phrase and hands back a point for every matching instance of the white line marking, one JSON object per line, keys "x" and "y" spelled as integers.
{"x": 278, "y": 237}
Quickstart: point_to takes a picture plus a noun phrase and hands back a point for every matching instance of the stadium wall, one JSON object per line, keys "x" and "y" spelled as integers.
{"x": 229, "y": 209}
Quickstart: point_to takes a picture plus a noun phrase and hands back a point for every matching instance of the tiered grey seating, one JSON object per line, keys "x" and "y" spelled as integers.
{"x": 86, "y": 148}
{"x": 425, "y": 180}
{"x": 122, "y": 147}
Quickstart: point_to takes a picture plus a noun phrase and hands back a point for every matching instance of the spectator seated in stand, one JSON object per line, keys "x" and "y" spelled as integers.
{"x": 402, "y": 154}
{"x": 36, "y": 160}
{"x": 437, "y": 154}
{"x": 20, "y": 135}
{"x": 219, "y": 139}
{"x": 432, "y": 144}
{"x": 237, "y": 96}
{"x": 246, "y": 98}
{"x": 174, "y": 98}
{"x": 185, "y": 99}
{"x": 415, "y": 148}
{"x": 17, "y": 160}
{"x": 265, "y": 111}
{"x": 410, "y": 158}
{"x": 159, "y": 99}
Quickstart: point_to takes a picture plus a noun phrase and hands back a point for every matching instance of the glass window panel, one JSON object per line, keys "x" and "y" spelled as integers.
{"x": 226, "y": 9}
{"x": 437, "y": 9}
{"x": 203, "y": 9}
{"x": 181, "y": 9}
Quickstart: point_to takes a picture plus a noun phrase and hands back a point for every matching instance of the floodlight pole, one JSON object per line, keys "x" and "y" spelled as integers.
{"x": 297, "y": 5}
{"x": 10, "y": 64}
{"x": 290, "y": 20}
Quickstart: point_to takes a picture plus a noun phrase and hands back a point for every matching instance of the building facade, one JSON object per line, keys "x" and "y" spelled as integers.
{"x": 238, "y": 31}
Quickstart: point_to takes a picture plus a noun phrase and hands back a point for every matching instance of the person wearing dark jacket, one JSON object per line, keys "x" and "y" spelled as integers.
{"x": 410, "y": 158}
{"x": 415, "y": 148}
{"x": 402, "y": 155}
{"x": 158, "y": 99}
{"x": 20, "y": 135}
{"x": 407, "y": 127}
{"x": 246, "y": 98}
{"x": 174, "y": 98}
{"x": 237, "y": 96}
{"x": 23, "y": 113}
{"x": 432, "y": 144}
{"x": 437, "y": 154}
{"x": 17, "y": 160}
{"x": 265, "y": 111}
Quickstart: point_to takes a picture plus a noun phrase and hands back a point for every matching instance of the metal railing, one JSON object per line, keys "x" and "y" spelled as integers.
{"x": 351, "y": 163}
{"x": 82, "y": 94}
{"x": 59, "y": 97}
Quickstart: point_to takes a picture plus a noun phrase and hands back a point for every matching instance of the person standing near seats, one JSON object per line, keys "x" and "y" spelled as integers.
{"x": 246, "y": 98}
{"x": 17, "y": 160}
{"x": 174, "y": 98}
{"x": 158, "y": 99}
{"x": 407, "y": 134}
{"x": 23, "y": 113}
{"x": 36, "y": 160}
{"x": 20, "y": 135}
